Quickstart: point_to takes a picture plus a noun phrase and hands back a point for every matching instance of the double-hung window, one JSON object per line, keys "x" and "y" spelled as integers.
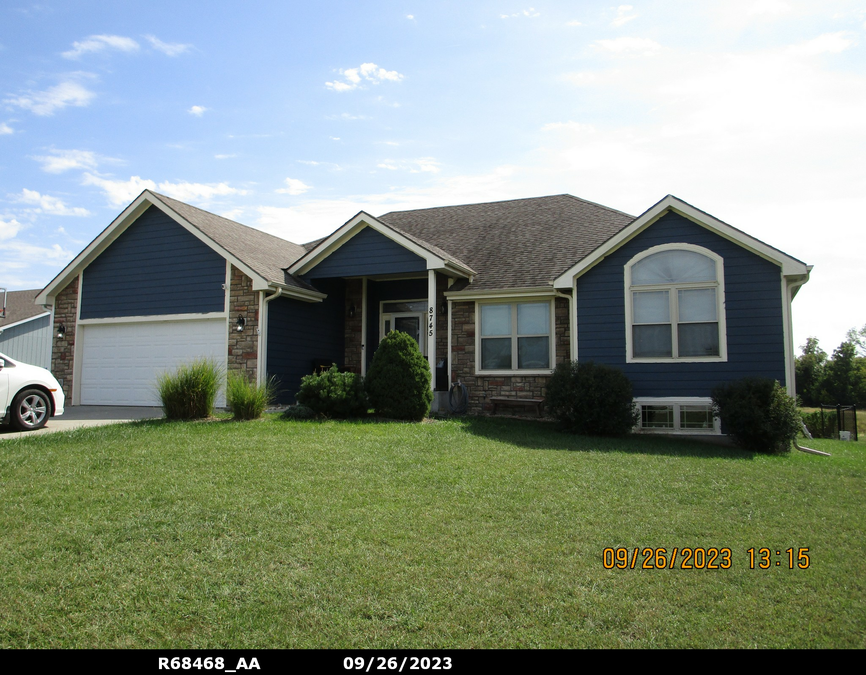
{"x": 675, "y": 304}
{"x": 515, "y": 336}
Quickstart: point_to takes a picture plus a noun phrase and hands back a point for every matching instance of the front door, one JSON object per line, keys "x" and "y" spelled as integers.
{"x": 410, "y": 322}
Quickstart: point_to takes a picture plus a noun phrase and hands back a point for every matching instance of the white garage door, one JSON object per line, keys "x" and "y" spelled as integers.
{"x": 121, "y": 361}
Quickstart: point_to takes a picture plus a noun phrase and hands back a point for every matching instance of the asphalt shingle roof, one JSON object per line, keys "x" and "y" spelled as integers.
{"x": 519, "y": 243}
{"x": 262, "y": 252}
{"x": 20, "y": 306}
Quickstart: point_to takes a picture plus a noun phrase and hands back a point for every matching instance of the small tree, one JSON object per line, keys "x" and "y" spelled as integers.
{"x": 591, "y": 398}
{"x": 398, "y": 381}
{"x": 758, "y": 414}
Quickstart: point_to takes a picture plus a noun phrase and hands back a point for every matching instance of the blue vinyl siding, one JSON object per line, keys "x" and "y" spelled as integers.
{"x": 368, "y": 253}
{"x": 29, "y": 342}
{"x": 155, "y": 267}
{"x": 387, "y": 291}
{"x": 301, "y": 332}
{"x": 753, "y": 308}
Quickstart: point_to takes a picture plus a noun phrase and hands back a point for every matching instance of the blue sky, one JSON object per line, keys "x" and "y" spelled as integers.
{"x": 293, "y": 116}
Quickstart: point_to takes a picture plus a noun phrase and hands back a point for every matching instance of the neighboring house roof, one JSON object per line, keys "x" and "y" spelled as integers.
{"x": 519, "y": 243}
{"x": 263, "y": 252}
{"x": 20, "y": 307}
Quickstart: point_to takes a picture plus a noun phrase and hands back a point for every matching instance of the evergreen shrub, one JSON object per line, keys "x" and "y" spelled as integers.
{"x": 398, "y": 381}
{"x": 591, "y": 398}
{"x": 334, "y": 394}
{"x": 757, "y": 414}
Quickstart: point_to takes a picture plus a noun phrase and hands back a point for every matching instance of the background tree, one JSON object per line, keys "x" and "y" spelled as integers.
{"x": 810, "y": 372}
{"x": 858, "y": 339}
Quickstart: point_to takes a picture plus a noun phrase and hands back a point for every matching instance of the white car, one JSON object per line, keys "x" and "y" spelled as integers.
{"x": 29, "y": 395}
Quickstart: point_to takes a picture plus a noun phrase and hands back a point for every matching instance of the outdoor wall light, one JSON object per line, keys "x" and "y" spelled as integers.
{"x": 240, "y": 323}
{"x": 352, "y": 311}
{"x": 443, "y": 308}
{"x": 61, "y": 331}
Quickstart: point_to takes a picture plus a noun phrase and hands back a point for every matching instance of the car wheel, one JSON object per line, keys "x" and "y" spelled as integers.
{"x": 30, "y": 410}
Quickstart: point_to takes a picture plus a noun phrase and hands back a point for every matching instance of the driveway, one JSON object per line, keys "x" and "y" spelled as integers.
{"x": 86, "y": 416}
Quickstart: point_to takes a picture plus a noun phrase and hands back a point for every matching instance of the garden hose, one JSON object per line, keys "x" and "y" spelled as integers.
{"x": 461, "y": 404}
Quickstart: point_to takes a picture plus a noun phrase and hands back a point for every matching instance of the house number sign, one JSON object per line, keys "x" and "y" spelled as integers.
{"x": 430, "y": 322}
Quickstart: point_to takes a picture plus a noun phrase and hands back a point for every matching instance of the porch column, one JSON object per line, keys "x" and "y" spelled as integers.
{"x": 363, "y": 326}
{"x": 431, "y": 325}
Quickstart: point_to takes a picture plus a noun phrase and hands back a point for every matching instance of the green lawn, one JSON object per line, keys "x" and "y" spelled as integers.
{"x": 468, "y": 533}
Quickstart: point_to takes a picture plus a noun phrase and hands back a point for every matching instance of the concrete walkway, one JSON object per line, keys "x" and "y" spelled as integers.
{"x": 86, "y": 416}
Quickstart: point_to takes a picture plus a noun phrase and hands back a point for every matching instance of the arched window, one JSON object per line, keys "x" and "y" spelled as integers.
{"x": 675, "y": 305}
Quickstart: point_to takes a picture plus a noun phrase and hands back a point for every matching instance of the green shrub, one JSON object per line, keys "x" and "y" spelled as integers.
{"x": 398, "y": 381}
{"x": 334, "y": 394}
{"x": 819, "y": 428}
{"x": 298, "y": 412}
{"x": 189, "y": 392}
{"x": 591, "y": 398}
{"x": 757, "y": 414}
{"x": 248, "y": 400}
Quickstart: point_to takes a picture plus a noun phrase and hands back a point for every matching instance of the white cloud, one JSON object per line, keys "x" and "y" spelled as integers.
{"x": 98, "y": 43}
{"x": 574, "y": 23}
{"x": 24, "y": 253}
{"x": 122, "y": 192}
{"x": 169, "y": 49}
{"x": 768, "y": 7}
{"x": 531, "y": 13}
{"x": 828, "y": 43}
{"x": 5, "y": 129}
{"x": 623, "y": 16}
{"x": 64, "y": 160}
{"x": 45, "y": 103}
{"x": 630, "y": 45}
{"x": 233, "y": 214}
{"x": 225, "y": 156}
{"x": 365, "y": 73}
{"x": 410, "y": 17}
{"x": 312, "y": 219}
{"x": 197, "y": 110}
{"x": 119, "y": 192}
{"x": 9, "y": 228}
{"x": 49, "y": 205}
{"x": 294, "y": 187}
{"x": 421, "y": 165}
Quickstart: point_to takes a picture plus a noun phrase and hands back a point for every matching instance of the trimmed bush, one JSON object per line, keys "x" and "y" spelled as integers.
{"x": 190, "y": 391}
{"x": 757, "y": 414}
{"x": 591, "y": 398}
{"x": 248, "y": 400}
{"x": 334, "y": 394}
{"x": 398, "y": 381}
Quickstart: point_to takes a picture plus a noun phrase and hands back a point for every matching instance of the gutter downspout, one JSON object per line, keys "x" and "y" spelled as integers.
{"x": 263, "y": 336}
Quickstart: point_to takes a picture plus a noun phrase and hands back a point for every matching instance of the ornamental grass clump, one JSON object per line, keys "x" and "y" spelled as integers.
{"x": 189, "y": 392}
{"x": 591, "y": 398}
{"x": 248, "y": 400}
{"x": 398, "y": 381}
{"x": 334, "y": 394}
{"x": 757, "y": 414}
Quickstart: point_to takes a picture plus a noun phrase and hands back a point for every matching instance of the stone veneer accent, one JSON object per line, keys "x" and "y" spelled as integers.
{"x": 63, "y": 351}
{"x": 243, "y": 356}
{"x": 482, "y": 388}
{"x": 353, "y": 337}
